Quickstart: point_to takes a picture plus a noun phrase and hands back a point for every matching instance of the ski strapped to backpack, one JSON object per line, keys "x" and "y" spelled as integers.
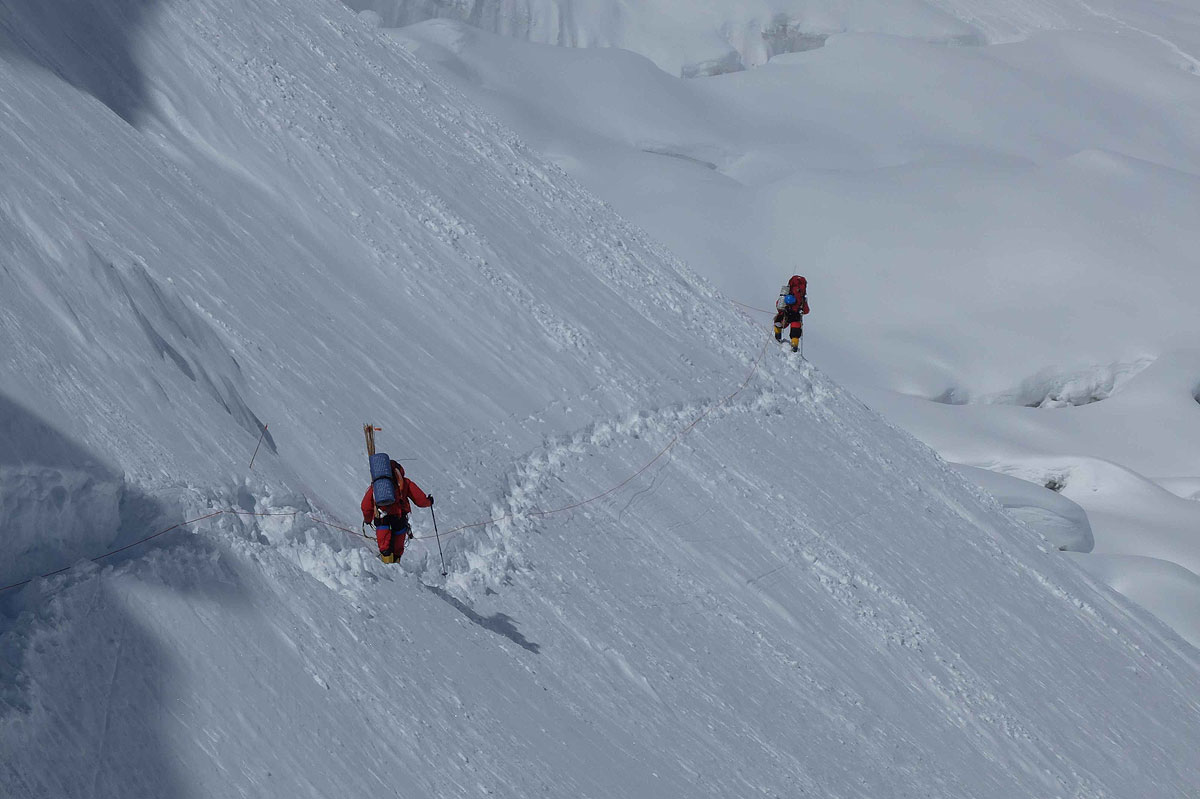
{"x": 387, "y": 492}
{"x": 383, "y": 479}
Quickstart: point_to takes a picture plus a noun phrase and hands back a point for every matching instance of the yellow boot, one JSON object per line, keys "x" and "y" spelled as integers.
{"x": 795, "y": 344}
{"x": 778, "y": 333}
{"x": 387, "y": 557}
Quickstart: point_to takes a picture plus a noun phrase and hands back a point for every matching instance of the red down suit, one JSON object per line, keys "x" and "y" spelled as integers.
{"x": 391, "y": 521}
{"x": 792, "y": 314}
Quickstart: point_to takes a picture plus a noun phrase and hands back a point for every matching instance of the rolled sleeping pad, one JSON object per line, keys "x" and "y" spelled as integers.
{"x": 382, "y": 481}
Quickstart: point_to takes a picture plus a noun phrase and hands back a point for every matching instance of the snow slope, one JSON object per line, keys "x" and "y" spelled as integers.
{"x": 900, "y": 174}
{"x": 298, "y": 225}
{"x": 999, "y": 239}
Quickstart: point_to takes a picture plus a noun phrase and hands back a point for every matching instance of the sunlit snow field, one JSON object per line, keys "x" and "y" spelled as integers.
{"x": 998, "y": 228}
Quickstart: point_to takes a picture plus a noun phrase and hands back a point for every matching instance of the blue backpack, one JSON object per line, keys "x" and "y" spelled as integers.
{"x": 383, "y": 480}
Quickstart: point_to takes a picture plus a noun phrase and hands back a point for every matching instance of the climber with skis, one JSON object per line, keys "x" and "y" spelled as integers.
{"x": 388, "y": 508}
{"x": 792, "y": 305}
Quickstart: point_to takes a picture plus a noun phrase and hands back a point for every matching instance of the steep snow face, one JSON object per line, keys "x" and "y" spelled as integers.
{"x": 307, "y": 230}
{"x": 998, "y": 240}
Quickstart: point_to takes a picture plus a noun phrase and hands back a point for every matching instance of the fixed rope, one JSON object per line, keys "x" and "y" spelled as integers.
{"x": 751, "y": 307}
{"x": 152, "y": 536}
{"x": 532, "y": 514}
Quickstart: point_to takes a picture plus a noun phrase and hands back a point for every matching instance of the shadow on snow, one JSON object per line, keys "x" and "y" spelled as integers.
{"x": 86, "y": 683}
{"x": 90, "y": 44}
{"x": 498, "y": 623}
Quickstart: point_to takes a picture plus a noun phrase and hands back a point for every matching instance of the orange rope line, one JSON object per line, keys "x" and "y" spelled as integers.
{"x": 752, "y": 308}
{"x": 454, "y": 531}
{"x": 188, "y": 523}
{"x": 164, "y": 531}
{"x": 670, "y": 445}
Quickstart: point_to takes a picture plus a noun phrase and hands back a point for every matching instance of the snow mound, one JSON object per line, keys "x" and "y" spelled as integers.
{"x": 696, "y": 40}
{"x": 1053, "y": 388}
{"x": 1184, "y": 487}
{"x": 1062, "y": 522}
{"x": 1166, "y": 589}
{"x": 685, "y": 39}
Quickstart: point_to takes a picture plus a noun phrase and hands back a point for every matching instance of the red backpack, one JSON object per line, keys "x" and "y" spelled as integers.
{"x": 798, "y": 286}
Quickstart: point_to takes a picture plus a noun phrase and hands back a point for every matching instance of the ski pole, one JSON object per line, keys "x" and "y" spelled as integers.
{"x": 439, "y": 540}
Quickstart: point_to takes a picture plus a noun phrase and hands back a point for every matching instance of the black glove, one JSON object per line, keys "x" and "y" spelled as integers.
{"x": 430, "y": 499}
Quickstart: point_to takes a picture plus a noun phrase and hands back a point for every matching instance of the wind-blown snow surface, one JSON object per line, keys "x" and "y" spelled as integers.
{"x": 1000, "y": 240}
{"x": 306, "y": 229}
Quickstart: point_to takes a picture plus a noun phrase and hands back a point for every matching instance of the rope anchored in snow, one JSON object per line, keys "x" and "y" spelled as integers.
{"x": 533, "y": 514}
{"x": 670, "y": 445}
{"x": 152, "y": 536}
{"x": 751, "y": 307}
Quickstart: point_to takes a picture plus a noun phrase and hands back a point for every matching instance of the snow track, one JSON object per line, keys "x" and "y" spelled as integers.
{"x": 523, "y": 505}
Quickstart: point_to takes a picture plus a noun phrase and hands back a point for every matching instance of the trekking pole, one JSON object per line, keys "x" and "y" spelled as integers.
{"x": 439, "y": 540}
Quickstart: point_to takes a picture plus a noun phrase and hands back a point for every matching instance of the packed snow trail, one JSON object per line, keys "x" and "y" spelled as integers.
{"x": 805, "y": 601}
{"x": 449, "y": 533}
{"x": 640, "y": 471}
